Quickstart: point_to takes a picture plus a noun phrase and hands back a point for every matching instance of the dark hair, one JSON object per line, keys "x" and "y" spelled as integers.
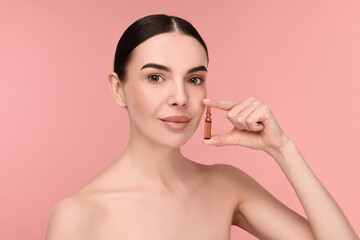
{"x": 145, "y": 28}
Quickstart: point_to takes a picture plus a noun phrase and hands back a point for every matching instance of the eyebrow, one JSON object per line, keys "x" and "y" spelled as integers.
{"x": 161, "y": 67}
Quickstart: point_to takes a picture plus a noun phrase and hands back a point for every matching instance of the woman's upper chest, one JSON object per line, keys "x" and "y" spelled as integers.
{"x": 204, "y": 213}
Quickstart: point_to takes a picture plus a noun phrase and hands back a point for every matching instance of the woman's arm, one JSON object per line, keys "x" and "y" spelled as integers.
{"x": 326, "y": 219}
{"x": 256, "y": 127}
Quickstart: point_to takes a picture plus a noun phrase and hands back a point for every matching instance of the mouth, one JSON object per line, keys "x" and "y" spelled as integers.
{"x": 177, "y": 126}
{"x": 176, "y": 118}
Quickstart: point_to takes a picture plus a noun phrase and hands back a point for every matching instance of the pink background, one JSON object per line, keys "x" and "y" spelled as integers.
{"x": 60, "y": 126}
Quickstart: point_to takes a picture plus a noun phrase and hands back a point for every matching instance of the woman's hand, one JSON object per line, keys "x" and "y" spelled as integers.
{"x": 254, "y": 125}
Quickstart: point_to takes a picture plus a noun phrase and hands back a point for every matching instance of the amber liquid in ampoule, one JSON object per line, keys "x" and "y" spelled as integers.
{"x": 207, "y": 133}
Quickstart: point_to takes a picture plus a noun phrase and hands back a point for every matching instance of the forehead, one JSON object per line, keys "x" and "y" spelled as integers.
{"x": 176, "y": 50}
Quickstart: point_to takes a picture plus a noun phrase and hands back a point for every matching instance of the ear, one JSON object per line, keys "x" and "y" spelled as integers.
{"x": 116, "y": 89}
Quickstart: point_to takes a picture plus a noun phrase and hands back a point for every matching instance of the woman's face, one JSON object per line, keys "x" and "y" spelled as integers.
{"x": 173, "y": 86}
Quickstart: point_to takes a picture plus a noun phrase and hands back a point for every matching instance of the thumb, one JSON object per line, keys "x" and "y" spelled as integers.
{"x": 218, "y": 139}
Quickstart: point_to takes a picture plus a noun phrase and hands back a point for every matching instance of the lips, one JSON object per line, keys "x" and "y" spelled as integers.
{"x": 176, "y": 123}
{"x": 176, "y": 118}
{"x": 177, "y": 126}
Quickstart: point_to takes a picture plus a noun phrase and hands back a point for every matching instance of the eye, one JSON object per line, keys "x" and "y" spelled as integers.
{"x": 154, "y": 78}
{"x": 201, "y": 81}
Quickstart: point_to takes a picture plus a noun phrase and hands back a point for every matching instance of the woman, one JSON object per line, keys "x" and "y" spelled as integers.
{"x": 153, "y": 192}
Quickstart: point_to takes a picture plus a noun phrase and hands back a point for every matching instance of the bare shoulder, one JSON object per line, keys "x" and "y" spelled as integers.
{"x": 70, "y": 218}
{"x": 241, "y": 184}
{"x": 231, "y": 173}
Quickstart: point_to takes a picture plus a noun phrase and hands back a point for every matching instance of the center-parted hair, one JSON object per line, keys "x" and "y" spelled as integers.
{"x": 145, "y": 28}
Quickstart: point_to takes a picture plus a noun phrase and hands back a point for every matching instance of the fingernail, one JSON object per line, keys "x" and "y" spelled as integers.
{"x": 207, "y": 100}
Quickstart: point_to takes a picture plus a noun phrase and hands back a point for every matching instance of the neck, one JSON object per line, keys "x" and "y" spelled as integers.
{"x": 150, "y": 163}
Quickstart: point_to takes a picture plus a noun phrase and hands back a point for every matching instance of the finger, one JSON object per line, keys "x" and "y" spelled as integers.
{"x": 240, "y": 119}
{"x": 221, "y": 104}
{"x": 219, "y": 140}
{"x": 253, "y": 120}
{"x": 239, "y": 107}
{"x": 239, "y": 113}
{"x": 257, "y": 117}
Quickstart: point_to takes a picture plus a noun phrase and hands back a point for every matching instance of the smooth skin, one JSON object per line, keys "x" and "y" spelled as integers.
{"x": 256, "y": 127}
{"x": 153, "y": 192}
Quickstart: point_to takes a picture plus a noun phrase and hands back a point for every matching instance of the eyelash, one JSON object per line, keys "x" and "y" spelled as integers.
{"x": 153, "y": 82}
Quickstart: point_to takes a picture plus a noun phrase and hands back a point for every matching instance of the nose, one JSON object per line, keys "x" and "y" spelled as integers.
{"x": 179, "y": 96}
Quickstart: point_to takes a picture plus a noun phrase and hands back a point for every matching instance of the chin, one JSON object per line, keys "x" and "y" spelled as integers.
{"x": 174, "y": 140}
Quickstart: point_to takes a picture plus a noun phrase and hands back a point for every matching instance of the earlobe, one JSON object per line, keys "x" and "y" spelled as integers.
{"x": 116, "y": 89}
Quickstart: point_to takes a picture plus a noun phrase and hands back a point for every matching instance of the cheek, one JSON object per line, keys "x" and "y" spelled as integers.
{"x": 198, "y": 96}
{"x": 139, "y": 99}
